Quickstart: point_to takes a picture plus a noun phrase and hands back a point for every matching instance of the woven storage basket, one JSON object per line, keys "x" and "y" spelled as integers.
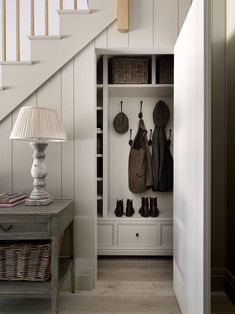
{"x": 25, "y": 261}
{"x": 166, "y": 69}
{"x": 130, "y": 70}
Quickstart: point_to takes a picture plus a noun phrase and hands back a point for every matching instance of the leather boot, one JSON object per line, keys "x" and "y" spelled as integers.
{"x": 154, "y": 212}
{"x": 119, "y": 208}
{"x": 144, "y": 209}
{"x": 129, "y": 208}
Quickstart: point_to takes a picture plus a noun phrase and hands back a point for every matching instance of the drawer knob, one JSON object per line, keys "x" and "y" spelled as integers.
{"x": 7, "y": 228}
{"x": 137, "y": 234}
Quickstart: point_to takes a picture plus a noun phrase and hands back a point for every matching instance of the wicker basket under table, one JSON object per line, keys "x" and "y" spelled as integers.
{"x": 29, "y": 261}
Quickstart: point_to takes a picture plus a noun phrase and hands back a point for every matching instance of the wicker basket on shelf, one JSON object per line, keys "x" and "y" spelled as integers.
{"x": 166, "y": 69}
{"x": 130, "y": 70}
{"x": 29, "y": 261}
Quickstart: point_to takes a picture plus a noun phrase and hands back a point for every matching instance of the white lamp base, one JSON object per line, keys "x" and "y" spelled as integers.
{"x": 39, "y": 196}
{"x": 30, "y": 202}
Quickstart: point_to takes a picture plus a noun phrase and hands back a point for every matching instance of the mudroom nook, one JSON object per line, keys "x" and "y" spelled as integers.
{"x": 135, "y": 95}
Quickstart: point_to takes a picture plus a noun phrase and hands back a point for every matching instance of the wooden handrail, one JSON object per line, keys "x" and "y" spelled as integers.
{"x": 75, "y": 5}
{"x": 32, "y": 18}
{"x": 4, "y": 30}
{"x": 46, "y": 19}
{"x": 17, "y": 30}
{"x": 61, "y": 4}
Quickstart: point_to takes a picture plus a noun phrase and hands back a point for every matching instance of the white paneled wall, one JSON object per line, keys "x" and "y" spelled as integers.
{"x": 71, "y": 91}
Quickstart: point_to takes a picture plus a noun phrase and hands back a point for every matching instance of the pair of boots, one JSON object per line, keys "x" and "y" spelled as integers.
{"x": 145, "y": 211}
{"x": 119, "y": 210}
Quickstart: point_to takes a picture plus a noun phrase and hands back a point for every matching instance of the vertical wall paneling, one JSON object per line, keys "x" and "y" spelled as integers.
{"x": 184, "y": 6}
{"x": 3, "y": 34}
{"x": 22, "y": 157}
{"x": 6, "y": 156}
{"x": 49, "y": 95}
{"x": 85, "y": 164}
{"x": 67, "y": 187}
{"x": 117, "y": 39}
{"x": 101, "y": 41}
{"x": 25, "y": 30}
{"x": 141, "y": 22}
{"x": 39, "y": 7}
{"x": 10, "y": 29}
{"x": 165, "y": 23}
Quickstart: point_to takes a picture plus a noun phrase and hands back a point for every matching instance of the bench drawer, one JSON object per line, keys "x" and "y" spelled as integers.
{"x": 137, "y": 234}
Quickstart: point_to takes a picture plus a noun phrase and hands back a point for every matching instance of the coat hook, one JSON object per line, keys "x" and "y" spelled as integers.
{"x": 150, "y": 142}
{"x": 130, "y": 141}
{"x": 121, "y": 105}
{"x": 140, "y": 115}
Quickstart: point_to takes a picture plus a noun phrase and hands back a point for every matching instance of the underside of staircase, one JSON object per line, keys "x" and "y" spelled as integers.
{"x": 50, "y": 53}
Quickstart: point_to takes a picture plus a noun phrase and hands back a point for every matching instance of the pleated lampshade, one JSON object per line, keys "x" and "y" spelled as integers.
{"x": 37, "y": 123}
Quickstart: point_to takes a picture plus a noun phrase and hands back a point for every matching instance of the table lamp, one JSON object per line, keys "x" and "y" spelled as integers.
{"x": 39, "y": 126}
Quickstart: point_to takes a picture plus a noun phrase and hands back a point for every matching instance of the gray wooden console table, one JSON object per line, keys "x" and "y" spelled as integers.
{"x": 40, "y": 223}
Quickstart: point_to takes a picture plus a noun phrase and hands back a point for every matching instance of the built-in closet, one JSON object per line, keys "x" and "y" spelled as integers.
{"x": 134, "y": 235}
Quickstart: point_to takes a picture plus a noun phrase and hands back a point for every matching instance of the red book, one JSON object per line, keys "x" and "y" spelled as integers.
{"x": 8, "y": 205}
{"x": 8, "y": 198}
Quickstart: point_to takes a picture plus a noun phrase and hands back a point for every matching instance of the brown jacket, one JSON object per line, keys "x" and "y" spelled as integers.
{"x": 140, "y": 163}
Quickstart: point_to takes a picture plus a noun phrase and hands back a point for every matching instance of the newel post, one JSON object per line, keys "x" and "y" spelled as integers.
{"x": 122, "y": 16}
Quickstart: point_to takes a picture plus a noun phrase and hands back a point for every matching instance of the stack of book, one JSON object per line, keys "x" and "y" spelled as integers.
{"x": 11, "y": 199}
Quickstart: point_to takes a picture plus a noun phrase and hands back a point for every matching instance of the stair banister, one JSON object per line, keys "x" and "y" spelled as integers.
{"x": 46, "y": 19}
{"x": 32, "y": 17}
{"x": 17, "y": 30}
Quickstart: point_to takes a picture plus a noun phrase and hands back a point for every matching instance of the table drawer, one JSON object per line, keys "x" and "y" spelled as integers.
{"x": 8, "y": 228}
{"x": 137, "y": 234}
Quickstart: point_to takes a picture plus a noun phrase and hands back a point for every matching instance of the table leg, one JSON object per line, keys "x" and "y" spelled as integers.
{"x": 55, "y": 275}
{"x": 72, "y": 256}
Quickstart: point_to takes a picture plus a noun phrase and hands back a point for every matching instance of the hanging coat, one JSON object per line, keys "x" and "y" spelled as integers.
{"x": 140, "y": 163}
{"x": 161, "y": 155}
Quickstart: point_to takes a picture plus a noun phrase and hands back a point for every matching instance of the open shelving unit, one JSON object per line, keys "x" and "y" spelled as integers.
{"x": 118, "y": 236}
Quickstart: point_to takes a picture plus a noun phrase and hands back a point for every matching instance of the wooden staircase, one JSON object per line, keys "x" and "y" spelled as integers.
{"x": 19, "y": 79}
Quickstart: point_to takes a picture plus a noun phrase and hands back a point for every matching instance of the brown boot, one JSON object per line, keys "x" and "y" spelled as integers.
{"x": 144, "y": 209}
{"x": 129, "y": 208}
{"x": 119, "y": 208}
{"x": 154, "y": 212}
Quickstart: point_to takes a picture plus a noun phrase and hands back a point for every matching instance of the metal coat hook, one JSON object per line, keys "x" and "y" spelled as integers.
{"x": 130, "y": 141}
{"x": 121, "y": 105}
{"x": 150, "y": 142}
{"x": 140, "y": 115}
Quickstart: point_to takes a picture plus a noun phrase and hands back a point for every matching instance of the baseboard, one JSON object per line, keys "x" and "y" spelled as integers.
{"x": 217, "y": 279}
{"x": 230, "y": 285}
{"x": 84, "y": 275}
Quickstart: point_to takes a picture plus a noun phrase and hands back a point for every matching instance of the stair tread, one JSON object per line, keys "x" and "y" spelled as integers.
{"x": 16, "y": 62}
{"x": 86, "y": 11}
{"x": 46, "y": 37}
